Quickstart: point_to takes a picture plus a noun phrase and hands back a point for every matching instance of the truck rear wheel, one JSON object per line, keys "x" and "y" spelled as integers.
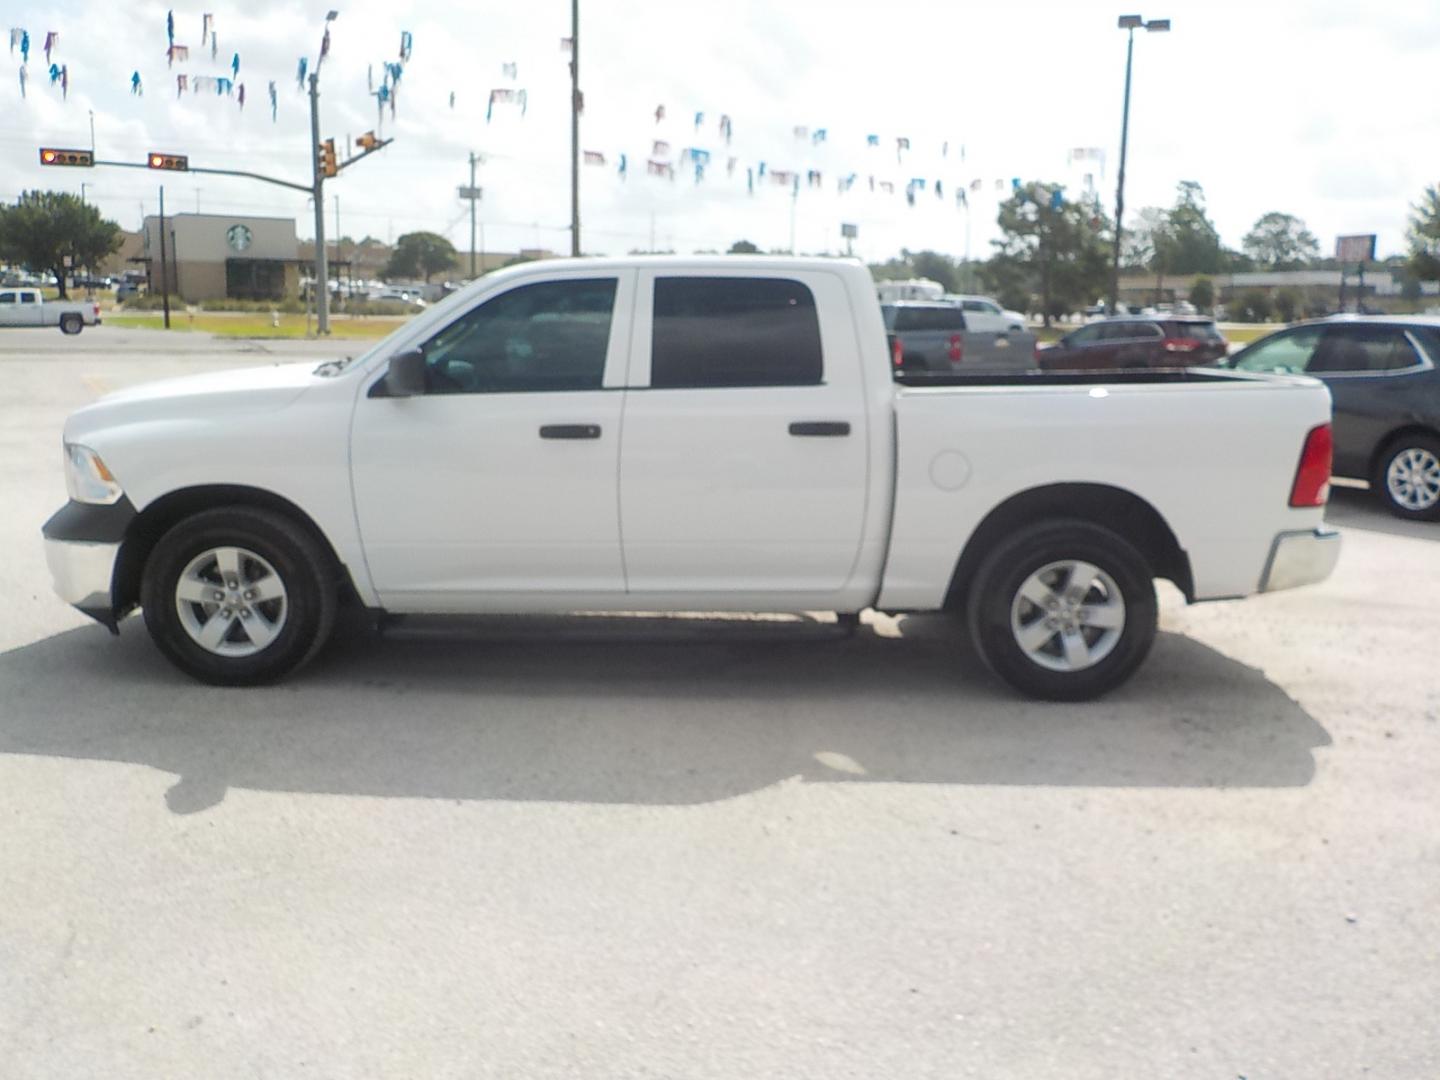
{"x": 238, "y": 596}
{"x": 71, "y": 323}
{"x": 1063, "y": 610}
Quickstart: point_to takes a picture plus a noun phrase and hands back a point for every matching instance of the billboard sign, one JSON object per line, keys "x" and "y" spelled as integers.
{"x": 1355, "y": 249}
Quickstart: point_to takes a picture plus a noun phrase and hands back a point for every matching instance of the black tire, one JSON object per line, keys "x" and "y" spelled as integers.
{"x": 993, "y": 602}
{"x": 1403, "y": 498}
{"x": 305, "y": 617}
{"x": 70, "y": 323}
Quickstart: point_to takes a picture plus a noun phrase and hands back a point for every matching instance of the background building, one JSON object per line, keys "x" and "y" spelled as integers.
{"x": 215, "y": 256}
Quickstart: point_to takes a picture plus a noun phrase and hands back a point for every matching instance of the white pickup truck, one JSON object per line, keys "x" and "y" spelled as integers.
{"x": 28, "y": 307}
{"x": 684, "y": 434}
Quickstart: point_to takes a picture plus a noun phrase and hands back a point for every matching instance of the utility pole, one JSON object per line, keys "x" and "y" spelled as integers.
{"x": 1128, "y": 23}
{"x": 794, "y": 206}
{"x": 474, "y": 196}
{"x": 322, "y": 262}
{"x": 574, "y": 128}
{"x": 164, "y": 266}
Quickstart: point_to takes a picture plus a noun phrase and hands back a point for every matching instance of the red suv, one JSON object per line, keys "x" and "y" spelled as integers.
{"x": 1144, "y": 342}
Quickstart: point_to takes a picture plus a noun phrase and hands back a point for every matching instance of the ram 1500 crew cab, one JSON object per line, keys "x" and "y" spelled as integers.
{"x": 28, "y": 307}
{"x": 684, "y": 434}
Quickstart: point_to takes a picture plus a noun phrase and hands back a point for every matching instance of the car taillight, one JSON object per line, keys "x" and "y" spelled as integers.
{"x": 897, "y": 352}
{"x": 1312, "y": 477}
{"x": 957, "y": 348}
{"x": 1182, "y": 344}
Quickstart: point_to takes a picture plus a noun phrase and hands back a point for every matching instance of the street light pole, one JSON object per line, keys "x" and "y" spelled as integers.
{"x": 574, "y": 129}
{"x": 1128, "y": 23}
{"x": 322, "y": 261}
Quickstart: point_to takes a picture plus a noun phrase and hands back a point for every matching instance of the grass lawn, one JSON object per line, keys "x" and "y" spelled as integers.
{"x": 257, "y": 325}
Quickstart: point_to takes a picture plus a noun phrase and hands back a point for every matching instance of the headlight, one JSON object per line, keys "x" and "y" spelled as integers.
{"x": 86, "y": 477}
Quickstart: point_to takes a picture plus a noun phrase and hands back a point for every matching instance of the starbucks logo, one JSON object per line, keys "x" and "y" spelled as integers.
{"x": 238, "y": 237}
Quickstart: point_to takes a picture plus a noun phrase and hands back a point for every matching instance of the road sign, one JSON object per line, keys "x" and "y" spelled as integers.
{"x": 850, "y": 232}
{"x": 465, "y": 191}
{"x": 1355, "y": 249}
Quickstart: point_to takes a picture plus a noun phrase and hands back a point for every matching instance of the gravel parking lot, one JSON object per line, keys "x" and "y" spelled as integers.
{"x": 610, "y": 847}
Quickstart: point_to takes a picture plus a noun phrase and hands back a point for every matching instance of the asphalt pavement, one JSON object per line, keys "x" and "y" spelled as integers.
{"x": 699, "y": 848}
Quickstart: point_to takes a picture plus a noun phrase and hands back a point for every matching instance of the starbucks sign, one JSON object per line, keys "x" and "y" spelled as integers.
{"x": 238, "y": 237}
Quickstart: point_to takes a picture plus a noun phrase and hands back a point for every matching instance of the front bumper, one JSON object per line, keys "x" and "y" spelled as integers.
{"x": 82, "y": 545}
{"x": 1300, "y": 558}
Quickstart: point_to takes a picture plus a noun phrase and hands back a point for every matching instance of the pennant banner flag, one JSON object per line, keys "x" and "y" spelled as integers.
{"x": 300, "y": 72}
{"x": 136, "y": 86}
{"x": 505, "y": 96}
{"x": 594, "y": 157}
{"x": 274, "y": 102}
{"x": 510, "y": 70}
{"x": 659, "y": 148}
{"x": 406, "y": 42}
{"x": 176, "y": 52}
{"x": 207, "y": 24}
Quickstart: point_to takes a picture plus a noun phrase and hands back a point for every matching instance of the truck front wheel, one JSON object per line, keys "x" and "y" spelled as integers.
{"x": 238, "y": 596}
{"x": 70, "y": 323}
{"x": 1063, "y": 610}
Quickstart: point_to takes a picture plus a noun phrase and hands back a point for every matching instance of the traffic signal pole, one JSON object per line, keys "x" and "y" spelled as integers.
{"x": 322, "y": 267}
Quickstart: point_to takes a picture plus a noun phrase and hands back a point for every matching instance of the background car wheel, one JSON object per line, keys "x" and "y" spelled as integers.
{"x": 1408, "y": 478}
{"x": 1063, "y": 610}
{"x": 238, "y": 596}
{"x": 70, "y": 323}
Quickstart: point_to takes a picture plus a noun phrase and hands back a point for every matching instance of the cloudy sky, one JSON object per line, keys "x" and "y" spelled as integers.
{"x": 1327, "y": 109}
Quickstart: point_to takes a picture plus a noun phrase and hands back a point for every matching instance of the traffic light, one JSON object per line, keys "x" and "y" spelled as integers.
{"x": 326, "y": 157}
{"x": 368, "y": 141}
{"x": 50, "y": 155}
{"x": 175, "y": 162}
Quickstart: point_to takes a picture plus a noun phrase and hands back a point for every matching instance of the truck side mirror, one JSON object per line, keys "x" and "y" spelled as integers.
{"x": 405, "y": 376}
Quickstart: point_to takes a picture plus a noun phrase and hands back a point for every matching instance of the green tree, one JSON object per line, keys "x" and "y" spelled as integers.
{"x": 920, "y": 264}
{"x": 420, "y": 254}
{"x": 1202, "y": 294}
{"x": 1049, "y": 246}
{"x": 44, "y": 228}
{"x": 743, "y": 247}
{"x": 1281, "y": 242}
{"x": 1150, "y": 244}
{"x": 1253, "y": 305}
{"x": 1195, "y": 240}
{"x": 1288, "y": 301}
{"x": 1424, "y": 236}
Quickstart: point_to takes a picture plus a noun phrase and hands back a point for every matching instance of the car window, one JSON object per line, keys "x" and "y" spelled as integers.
{"x": 1360, "y": 349}
{"x": 989, "y": 308}
{"x": 551, "y": 335}
{"x": 723, "y": 331}
{"x": 946, "y": 319}
{"x": 7, "y": 298}
{"x": 1429, "y": 337}
{"x": 1131, "y": 331}
{"x": 1194, "y": 330}
{"x": 1086, "y": 335}
{"x": 888, "y": 313}
{"x": 29, "y": 297}
{"x": 1287, "y": 352}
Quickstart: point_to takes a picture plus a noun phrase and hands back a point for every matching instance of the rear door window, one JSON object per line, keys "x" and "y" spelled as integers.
{"x": 1361, "y": 350}
{"x": 722, "y": 331}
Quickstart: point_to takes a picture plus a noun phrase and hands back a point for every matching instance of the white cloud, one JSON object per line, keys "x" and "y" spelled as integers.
{"x": 1320, "y": 110}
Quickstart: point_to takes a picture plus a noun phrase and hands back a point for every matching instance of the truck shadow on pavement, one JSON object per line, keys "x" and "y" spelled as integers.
{"x": 643, "y": 710}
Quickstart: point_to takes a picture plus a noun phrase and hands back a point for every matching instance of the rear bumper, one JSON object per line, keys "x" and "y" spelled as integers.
{"x": 1300, "y": 558}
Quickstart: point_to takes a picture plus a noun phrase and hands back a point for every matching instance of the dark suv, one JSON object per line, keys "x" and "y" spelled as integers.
{"x": 1161, "y": 341}
{"x": 1381, "y": 371}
